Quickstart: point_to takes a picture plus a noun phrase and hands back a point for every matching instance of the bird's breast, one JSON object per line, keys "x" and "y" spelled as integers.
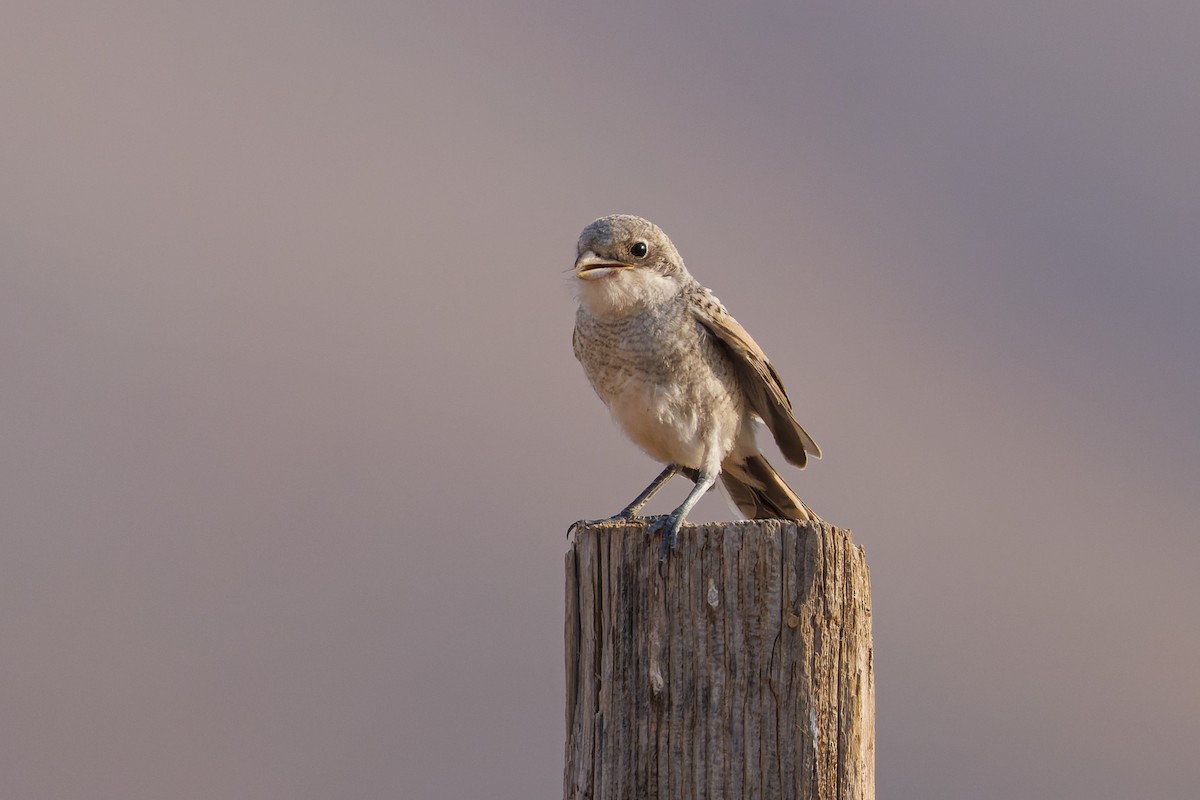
{"x": 655, "y": 376}
{"x": 659, "y": 420}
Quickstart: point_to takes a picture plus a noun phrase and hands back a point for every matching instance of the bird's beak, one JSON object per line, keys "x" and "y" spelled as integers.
{"x": 590, "y": 267}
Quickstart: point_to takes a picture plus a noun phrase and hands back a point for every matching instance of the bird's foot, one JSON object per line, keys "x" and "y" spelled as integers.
{"x": 669, "y": 525}
{"x": 624, "y": 516}
{"x": 654, "y": 523}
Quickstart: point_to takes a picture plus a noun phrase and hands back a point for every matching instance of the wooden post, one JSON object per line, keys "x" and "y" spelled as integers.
{"x": 740, "y": 668}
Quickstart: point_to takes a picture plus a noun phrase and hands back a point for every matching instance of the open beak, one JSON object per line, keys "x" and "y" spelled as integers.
{"x": 590, "y": 267}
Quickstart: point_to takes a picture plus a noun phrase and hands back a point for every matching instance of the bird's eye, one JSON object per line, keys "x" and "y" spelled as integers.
{"x": 638, "y": 250}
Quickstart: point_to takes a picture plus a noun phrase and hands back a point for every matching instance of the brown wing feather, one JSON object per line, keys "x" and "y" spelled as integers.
{"x": 759, "y": 380}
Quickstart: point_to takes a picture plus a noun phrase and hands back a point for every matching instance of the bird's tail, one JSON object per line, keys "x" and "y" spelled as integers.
{"x": 759, "y": 493}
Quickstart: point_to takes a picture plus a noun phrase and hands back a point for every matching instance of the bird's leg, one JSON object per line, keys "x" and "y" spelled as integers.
{"x": 630, "y": 511}
{"x": 674, "y": 521}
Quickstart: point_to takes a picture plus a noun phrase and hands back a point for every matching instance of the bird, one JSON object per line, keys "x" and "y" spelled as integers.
{"x": 681, "y": 377}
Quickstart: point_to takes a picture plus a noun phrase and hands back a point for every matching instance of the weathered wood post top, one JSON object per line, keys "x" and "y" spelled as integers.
{"x": 742, "y": 667}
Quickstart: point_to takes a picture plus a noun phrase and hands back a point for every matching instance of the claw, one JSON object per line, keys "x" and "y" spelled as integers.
{"x": 654, "y": 523}
{"x": 670, "y": 524}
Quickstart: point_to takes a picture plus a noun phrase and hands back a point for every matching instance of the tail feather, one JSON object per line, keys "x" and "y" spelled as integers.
{"x": 759, "y": 493}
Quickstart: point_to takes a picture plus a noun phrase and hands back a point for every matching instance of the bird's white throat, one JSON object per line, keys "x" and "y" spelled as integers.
{"x": 621, "y": 291}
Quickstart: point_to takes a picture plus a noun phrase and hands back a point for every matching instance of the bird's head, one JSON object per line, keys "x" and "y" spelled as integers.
{"x": 624, "y": 263}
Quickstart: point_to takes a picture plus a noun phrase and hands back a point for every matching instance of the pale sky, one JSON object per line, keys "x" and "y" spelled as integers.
{"x": 291, "y": 432}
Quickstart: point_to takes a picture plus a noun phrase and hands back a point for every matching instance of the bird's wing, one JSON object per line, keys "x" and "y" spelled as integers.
{"x": 758, "y": 378}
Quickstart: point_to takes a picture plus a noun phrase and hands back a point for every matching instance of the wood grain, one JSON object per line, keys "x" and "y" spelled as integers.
{"x": 740, "y": 668}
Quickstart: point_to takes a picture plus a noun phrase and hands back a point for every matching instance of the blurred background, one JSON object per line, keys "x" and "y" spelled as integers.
{"x": 291, "y": 432}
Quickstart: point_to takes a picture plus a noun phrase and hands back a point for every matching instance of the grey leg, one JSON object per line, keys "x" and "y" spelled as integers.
{"x": 630, "y": 511}
{"x": 674, "y": 520}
